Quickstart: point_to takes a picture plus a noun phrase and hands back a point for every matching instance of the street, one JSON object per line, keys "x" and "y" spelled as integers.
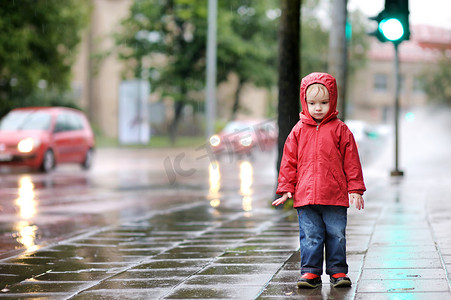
{"x": 176, "y": 224}
{"x": 123, "y": 185}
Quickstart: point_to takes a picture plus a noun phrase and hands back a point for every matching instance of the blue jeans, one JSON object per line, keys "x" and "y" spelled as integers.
{"x": 323, "y": 226}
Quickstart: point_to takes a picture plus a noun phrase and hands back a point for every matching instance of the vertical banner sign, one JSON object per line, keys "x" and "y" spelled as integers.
{"x": 134, "y": 125}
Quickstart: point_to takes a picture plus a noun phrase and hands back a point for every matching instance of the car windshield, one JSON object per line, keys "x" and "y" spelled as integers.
{"x": 25, "y": 120}
{"x": 233, "y": 127}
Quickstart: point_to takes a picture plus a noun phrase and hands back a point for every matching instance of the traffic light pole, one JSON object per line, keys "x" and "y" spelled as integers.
{"x": 396, "y": 171}
{"x": 393, "y": 26}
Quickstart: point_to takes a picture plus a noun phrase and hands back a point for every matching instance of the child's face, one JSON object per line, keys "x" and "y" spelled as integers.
{"x": 318, "y": 108}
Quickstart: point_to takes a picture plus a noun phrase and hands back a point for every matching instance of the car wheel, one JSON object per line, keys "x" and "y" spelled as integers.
{"x": 87, "y": 163}
{"x": 48, "y": 162}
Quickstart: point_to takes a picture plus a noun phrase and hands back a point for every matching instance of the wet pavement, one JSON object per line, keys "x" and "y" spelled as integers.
{"x": 174, "y": 224}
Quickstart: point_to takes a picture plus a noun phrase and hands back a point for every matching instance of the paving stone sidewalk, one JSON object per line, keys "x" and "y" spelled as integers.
{"x": 399, "y": 247}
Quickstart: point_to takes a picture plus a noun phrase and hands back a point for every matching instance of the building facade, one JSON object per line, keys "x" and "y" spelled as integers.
{"x": 372, "y": 88}
{"x": 96, "y": 79}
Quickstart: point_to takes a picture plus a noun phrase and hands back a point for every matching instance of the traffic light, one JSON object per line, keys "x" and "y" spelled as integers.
{"x": 393, "y": 22}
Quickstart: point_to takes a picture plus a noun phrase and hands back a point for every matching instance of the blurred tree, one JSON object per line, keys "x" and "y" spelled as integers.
{"x": 175, "y": 29}
{"x": 289, "y": 71}
{"x": 437, "y": 81}
{"x": 315, "y": 39}
{"x": 38, "y": 39}
{"x": 338, "y": 51}
{"x": 247, "y": 35}
{"x": 165, "y": 42}
{"x": 358, "y": 41}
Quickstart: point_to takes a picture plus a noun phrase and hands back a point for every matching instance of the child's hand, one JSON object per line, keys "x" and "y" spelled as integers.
{"x": 282, "y": 199}
{"x": 358, "y": 199}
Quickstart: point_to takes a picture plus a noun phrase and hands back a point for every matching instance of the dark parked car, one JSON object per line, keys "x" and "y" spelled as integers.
{"x": 42, "y": 137}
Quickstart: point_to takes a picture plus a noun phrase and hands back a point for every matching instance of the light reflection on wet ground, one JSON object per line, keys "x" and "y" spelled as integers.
{"x": 26, "y": 202}
{"x": 37, "y": 208}
{"x": 125, "y": 230}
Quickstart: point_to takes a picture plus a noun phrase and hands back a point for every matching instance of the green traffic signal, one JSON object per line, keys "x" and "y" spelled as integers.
{"x": 392, "y": 29}
{"x": 393, "y": 22}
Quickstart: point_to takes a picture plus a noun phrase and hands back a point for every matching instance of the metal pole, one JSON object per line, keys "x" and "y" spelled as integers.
{"x": 138, "y": 105}
{"x": 338, "y": 51}
{"x": 210, "y": 103}
{"x": 396, "y": 171}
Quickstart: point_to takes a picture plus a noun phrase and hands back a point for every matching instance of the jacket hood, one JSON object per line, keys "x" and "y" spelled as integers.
{"x": 331, "y": 84}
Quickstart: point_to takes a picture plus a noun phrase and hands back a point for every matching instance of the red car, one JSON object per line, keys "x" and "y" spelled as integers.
{"x": 244, "y": 136}
{"x": 42, "y": 137}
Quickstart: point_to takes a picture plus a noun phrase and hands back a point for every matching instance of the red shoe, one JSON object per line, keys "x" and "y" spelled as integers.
{"x": 309, "y": 281}
{"x": 340, "y": 280}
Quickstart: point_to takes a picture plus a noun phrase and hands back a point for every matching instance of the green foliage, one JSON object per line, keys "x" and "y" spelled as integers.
{"x": 49, "y": 98}
{"x": 166, "y": 41}
{"x": 247, "y": 45}
{"x": 314, "y": 40}
{"x": 437, "y": 81}
{"x": 247, "y": 41}
{"x": 154, "y": 143}
{"x": 38, "y": 39}
{"x": 358, "y": 44}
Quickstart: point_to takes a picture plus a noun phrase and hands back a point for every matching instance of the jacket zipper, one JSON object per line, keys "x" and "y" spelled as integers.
{"x": 315, "y": 165}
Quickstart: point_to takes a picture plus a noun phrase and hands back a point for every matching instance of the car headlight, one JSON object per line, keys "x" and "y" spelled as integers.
{"x": 246, "y": 141}
{"x": 215, "y": 140}
{"x": 27, "y": 145}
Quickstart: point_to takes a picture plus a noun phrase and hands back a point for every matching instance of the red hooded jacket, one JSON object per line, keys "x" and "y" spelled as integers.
{"x": 320, "y": 162}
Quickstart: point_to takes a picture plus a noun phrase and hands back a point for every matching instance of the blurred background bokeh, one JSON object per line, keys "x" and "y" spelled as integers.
{"x": 139, "y": 65}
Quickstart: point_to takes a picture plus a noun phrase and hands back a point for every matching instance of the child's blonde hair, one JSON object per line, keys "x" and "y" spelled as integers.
{"x": 316, "y": 91}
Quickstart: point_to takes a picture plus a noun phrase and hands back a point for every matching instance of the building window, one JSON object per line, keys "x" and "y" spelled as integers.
{"x": 380, "y": 82}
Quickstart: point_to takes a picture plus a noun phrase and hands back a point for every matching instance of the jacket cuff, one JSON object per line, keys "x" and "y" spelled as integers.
{"x": 360, "y": 192}
{"x": 285, "y": 188}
